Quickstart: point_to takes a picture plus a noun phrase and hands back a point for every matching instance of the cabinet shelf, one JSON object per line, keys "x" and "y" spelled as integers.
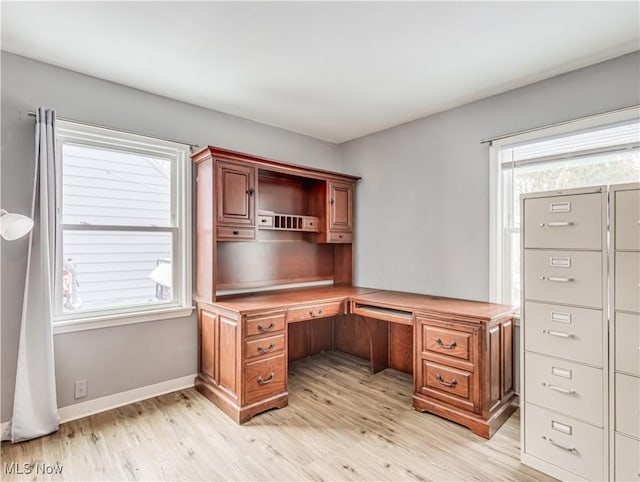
{"x": 287, "y": 222}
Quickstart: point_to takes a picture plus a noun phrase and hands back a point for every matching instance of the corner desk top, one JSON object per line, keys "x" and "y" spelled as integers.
{"x": 395, "y": 300}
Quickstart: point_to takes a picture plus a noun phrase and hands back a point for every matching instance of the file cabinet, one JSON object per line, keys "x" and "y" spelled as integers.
{"x": 624, "y": 309}
{"x": 565, "y": 402}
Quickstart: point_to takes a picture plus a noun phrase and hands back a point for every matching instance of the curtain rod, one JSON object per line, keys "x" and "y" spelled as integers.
{"x": 526, "y": 131}
{"x": 192, "y": 147}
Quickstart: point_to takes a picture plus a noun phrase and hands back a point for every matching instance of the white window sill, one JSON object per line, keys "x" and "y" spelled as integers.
{"x": 93, "y": 323}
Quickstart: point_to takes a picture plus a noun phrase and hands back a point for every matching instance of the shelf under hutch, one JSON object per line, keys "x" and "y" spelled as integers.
{"x": 264, "y": 225}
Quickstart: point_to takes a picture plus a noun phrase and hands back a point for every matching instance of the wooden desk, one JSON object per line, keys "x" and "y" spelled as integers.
{"x": 460, "y": 352}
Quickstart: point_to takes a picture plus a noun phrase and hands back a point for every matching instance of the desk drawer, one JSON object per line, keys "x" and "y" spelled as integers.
{"x": 264, "y": 346}
{"x": 456, "y": 387}
{"x": 627, "y": 219}
{"x": 564, "y": 442}
{"x": 627, "y": 460}
{"x": 563, "y": 386}
{"x": 628, "y": 281}
{"x": 320, "y": 310}
{"x": 628, "y": 405}
{"x": 564, "y": 332}
{"x": 564, "y": 222}
{"x": 627, "y": 336}
{"x": 265, "y": 378}
{"x": 263, "y": 324}
{"x": 335, "y": 237}
{"x": 230, "y": 233}
{"x": 448, "y": 342}
{"x": 568, "y": 277}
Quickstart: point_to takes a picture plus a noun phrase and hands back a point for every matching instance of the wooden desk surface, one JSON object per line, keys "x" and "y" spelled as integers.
{"x": 410, "y": 302}
{"x": 480, "y": 310}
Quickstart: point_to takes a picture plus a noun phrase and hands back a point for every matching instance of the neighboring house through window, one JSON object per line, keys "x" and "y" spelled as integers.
{"x": 123, "y": 227}
{"x": 599, "y": 150}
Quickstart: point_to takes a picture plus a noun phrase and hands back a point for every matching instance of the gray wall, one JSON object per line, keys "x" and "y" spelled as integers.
{"x": 119, "y": 358}
{"x": 422, "y": 207}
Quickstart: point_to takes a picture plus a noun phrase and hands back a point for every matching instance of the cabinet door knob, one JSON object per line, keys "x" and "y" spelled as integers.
{"x": 250, "y": 191}
{"x": 332, "y": 202}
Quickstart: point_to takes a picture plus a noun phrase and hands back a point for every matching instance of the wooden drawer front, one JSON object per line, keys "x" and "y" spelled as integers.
{"x": 264, "y": 346}
{"x": 447, "y": 342}
{"x": 627, "y": 336}
{"x": 627, "y": 458}
{"x": 628, "y": 281}
{"x": 564, "y": 332}
{"x": 627, "y": 219}
{"x": 265, "y": 324}
{"x": 226, "y": 233}
{"x": 265, "y": 378}
{"x": 564, "y": 386}
{"x": 579, "y": 283}
{"x": 628, "y": 405}
{"x": 265, "y": 221}
{"x": 340, "y": 237}
{"x": 449, "y": 384}
{"x": 564, "y": 442}
{"x": 321, "y": 310}
{"x": 563, "y": 222}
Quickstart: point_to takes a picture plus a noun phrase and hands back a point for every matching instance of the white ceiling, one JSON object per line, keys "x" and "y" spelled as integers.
{"x": 332, "y": 70}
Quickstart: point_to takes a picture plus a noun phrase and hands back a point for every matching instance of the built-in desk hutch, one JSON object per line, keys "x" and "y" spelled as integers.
{"x": 263, "y": 226}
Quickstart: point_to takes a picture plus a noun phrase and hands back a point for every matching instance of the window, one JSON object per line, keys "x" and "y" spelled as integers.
{"x": 123, "y": 226}
{"x": 594, "y": 151}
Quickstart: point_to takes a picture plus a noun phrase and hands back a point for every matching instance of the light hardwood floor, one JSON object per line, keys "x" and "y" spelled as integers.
{"x": 341, "y": 424}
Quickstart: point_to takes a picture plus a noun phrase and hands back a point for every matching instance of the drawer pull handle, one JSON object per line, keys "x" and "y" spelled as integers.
{"x": 559, "y": 224}
{"x": 269, "y": 379}
{"x": 558, "y": 334}
{"x": 566, "y": 391}
{"x": 311, "y": 313}
{"x": 450, "y": 346}
{"x": 557, "y": 279}
{"x": 269, "y": 349}
{"x": 560, "y": 446}
{"x": 452, "y": 383}
{"x": 236, "y": 232}
{"x": 271, "y": 326}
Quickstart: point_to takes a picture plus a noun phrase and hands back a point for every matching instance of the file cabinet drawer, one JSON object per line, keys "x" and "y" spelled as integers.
{"x": 627, "y": 460}
{"x": 627, "y": 336}
{"x": 564, "y": 442}
{"x": 563, "y": 222}
{"x": 564, "y": 332}
{"x": 265, "y": 378}
{"x": 567, "y": 277}
{"x": 628, "y": 281}
{"x": 627, "y": 219}
{"x": 628, "y": 404}
{"x": 566, "y": 387}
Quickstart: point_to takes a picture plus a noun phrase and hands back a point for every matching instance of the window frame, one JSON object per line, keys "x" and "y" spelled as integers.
{"x": 181, "y": 305}
{"x": 498, "y": 250}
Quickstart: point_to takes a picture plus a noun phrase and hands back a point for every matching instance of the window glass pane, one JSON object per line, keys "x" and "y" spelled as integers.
{"x": 102, "y": 186}
{"x": 107, "y": 269}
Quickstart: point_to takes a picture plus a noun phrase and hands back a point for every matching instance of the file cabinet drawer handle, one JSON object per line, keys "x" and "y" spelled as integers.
{"x": 269, "y": 379}
{"x": 450, "y": 346}
{"x": 557, "y": 224}
{"x": 559, "y": 445}
{"x": 559, "y": 334}
{"x": 557, "y": 279}
{"x": 566, "y": 391}
{"x": 271, "y": 326}
{"x": 269, "y": 349}
{"x": 452, "y": 383}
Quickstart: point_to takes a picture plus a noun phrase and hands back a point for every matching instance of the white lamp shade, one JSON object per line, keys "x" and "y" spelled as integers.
{"x": 14, "y": 226}
{"x": 162, "y": 274}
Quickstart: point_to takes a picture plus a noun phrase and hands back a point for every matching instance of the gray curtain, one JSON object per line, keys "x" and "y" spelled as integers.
{"x": 35, "y": 412}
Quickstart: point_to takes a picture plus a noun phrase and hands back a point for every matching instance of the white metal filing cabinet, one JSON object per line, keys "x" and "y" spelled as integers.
{"x": 564, "y": 339}
{"x": 624, "y": 359}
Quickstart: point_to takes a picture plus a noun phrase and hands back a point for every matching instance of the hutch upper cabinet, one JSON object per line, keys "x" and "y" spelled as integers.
{"x": 340, "y": 207}
{"x": 236, "y": 193}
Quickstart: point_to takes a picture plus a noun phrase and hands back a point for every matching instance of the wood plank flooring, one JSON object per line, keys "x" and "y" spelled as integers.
{"x": 341, "y": 424}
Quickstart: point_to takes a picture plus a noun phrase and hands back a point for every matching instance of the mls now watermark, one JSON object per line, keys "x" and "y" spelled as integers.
{"x": 36, "y": 469}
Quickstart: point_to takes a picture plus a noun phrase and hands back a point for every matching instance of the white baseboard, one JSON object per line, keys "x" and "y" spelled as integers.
{"x": 5, "y": 430}
{"x": 102, "y": 404}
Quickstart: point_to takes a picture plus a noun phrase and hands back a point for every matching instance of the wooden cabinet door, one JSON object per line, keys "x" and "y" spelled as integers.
{"x": 236, "y": 193}
{"x": 340, "y": 207}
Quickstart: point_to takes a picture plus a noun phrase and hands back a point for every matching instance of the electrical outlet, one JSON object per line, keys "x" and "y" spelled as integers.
{"x": 80, "y": 389}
